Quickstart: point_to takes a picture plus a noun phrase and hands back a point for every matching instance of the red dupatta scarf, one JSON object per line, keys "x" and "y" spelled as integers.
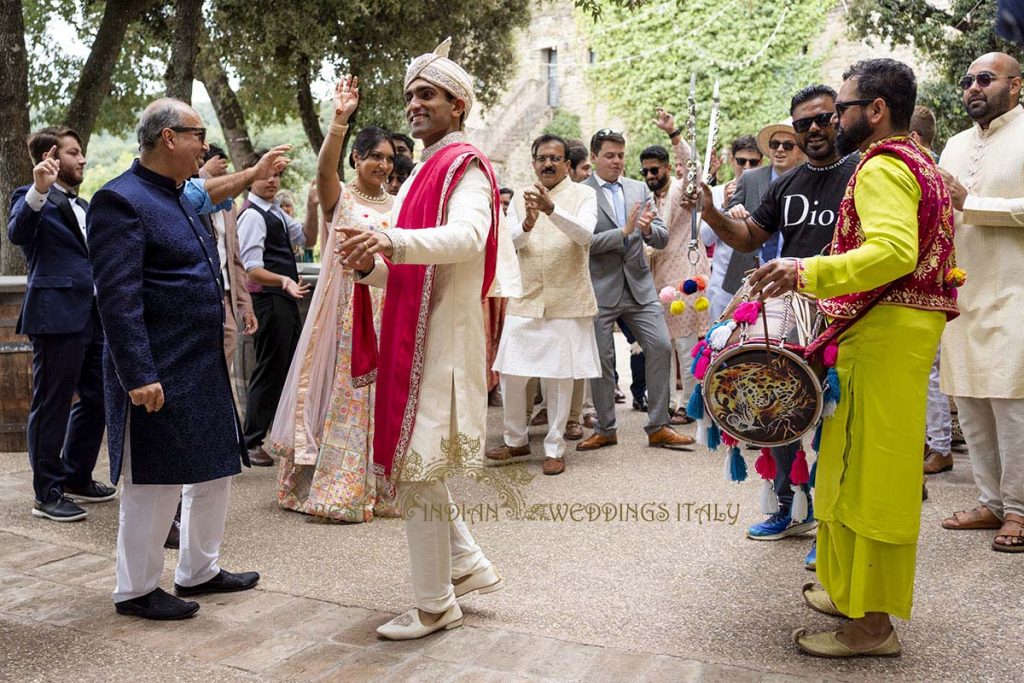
{"x": 407, "y": 306}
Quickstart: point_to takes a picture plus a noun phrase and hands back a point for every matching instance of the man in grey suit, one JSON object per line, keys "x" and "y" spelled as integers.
{"x": 624, "y": 287}
{"x": 778, "y": 143}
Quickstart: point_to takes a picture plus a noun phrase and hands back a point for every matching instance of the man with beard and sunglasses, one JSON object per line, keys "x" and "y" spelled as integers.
{"x": 982, "y": 357}
{"x": 675, "y": 264}
{"x": 893, "y": 246}
{"x": 803, "y": 205}
{"x": 549, "y": 331}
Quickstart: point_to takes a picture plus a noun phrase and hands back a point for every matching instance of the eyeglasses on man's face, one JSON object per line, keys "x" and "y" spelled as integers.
{"x": 984, "y": 80}
{"x": 787, "y": 145}
{"x": 545, "y": 158}
{"x": 200, "y": 132}
{"x": 823, "y": 120}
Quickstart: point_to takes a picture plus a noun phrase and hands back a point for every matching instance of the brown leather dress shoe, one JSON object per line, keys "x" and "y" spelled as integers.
{"x": 935, "y": 462}
{"x": 260, "y": 458}
{"x": 554, "y": 465}
{"x": 595, "y": 441}
{"x": 506, "y": 455}
{"x": 666, "y": 437}
{"x": 573, "y": 431}
{"x": 540, "y": 419}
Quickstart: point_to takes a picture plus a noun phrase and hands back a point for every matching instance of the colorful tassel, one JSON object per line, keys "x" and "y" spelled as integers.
{"x": 737, "y": 465}
{"x": 814, "y": 474}
{"x": 701, "y": 435}
{"x": 830, "y": 395}
{"x": 747, "y": 312}
{"x": 701, "y": 366}
{"x": 702, "y": 303}
{"x": 667, "y": 294}
{"x": 798, "y": 512}
{"x": 765, "y": 464}
{"x": 830, "y": 355}
{"x": 714, "y": 437}
{"x": 718, "y": 336}
{"x": 729, "y": 440}
{"x": 798, "y": 472}
{"x": 695, "y": 406}
{"x": 816, "y": 441}
{"x": 677, "y": 307}
{"x": 769, "y": 499}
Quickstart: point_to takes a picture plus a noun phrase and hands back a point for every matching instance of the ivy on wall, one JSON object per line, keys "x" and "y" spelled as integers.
{"x": 760, "y": 51}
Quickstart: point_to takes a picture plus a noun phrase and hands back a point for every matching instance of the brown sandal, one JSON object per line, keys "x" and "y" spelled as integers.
{"x": 1016, "y": 540}
{"x": 978, "y": 518}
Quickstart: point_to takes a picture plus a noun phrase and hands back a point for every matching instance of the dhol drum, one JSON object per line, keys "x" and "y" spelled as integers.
{"x": 758, "y": 388}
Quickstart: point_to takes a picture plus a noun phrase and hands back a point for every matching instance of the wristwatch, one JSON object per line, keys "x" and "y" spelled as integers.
{"x": 677, "y": 131}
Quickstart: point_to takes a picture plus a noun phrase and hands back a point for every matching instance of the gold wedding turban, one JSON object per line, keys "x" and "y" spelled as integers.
{"x": 436, "y": 68}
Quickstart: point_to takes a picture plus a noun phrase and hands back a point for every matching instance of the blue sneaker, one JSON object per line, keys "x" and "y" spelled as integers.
{"x": 809, "y": 523}
{"x": 811, "y": 561}
{"x": 772, "y": 528}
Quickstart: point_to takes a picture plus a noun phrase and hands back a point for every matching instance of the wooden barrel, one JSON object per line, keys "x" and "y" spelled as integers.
{"x": 15, "y": 368}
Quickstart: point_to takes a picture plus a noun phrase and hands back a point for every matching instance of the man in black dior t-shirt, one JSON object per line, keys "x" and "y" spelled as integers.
{"x": 804, "y": 205}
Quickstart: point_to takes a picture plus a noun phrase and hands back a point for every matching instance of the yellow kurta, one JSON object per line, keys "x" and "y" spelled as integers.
{"x": 451, "y": 416}
{"x": 868, "y": 482}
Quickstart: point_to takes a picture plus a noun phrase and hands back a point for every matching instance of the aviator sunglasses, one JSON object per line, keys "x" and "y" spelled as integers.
{"x": 984, "y": 80}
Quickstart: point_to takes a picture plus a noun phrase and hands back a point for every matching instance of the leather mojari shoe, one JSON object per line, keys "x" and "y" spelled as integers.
{"x": 666, "y": 437}
{"x": 595, "y": 441}
{"x": 827, "y": 645}
{"x": 554, "y": 465}
{"x": 818, "y": 600}
{"x": 573, "y": 431}
{"x": 158, "y": 605}
{"x": 225, "y": 582}
{"x": 506, "y": 455}
{"x": 935, "y": 462}
{"x": 484, "y": 581}
{"x": 409, "y": 627}
{"x": 258, "y": 457}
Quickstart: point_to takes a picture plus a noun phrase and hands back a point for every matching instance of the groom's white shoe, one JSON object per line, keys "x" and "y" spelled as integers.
{"x": 409, "y": 627}
{"x": 484, "y": 581}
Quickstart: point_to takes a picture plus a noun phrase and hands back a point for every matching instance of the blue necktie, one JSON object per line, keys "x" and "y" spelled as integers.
{"x": 618, "y": 202}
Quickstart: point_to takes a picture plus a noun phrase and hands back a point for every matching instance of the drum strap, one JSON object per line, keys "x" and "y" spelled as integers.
{"x": 840, "y": 325}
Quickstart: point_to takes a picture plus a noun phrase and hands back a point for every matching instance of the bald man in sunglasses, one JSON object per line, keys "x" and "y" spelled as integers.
{"x": 802, "y": 205}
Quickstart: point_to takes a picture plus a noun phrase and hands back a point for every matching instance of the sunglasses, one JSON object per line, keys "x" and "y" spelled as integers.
{"x": 787, "y": 146}
{"x": 752, "y": 163}
{"x": 823, "y": 120}
{"x": 605, "y": 132}
{"x": 200, "y": 132}
{"x": 984, "y": 80}
{"x": 650, "y": 171}
{"x": 841, "y": 107}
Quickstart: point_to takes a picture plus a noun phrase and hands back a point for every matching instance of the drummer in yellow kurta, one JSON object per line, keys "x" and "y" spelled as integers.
{"x": 892, "y": 247}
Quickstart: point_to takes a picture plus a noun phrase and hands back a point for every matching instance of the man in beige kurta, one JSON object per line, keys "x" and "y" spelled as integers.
{"x": 982, "y": 353}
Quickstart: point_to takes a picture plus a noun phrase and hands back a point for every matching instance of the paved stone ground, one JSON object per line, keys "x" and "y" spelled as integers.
{"x": 621, "y": 600}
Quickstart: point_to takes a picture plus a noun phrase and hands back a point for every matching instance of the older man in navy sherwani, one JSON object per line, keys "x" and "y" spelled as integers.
{"x": 172, "y": 424}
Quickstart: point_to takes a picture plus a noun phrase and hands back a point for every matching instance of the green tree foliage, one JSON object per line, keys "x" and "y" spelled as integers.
{"x": 948, "y": 38}
{"x": 564, "y": 124}
{"x": 761, "y": 52}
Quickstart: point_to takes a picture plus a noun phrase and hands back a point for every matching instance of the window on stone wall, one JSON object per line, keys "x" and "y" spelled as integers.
{"x": 550, "y": 61}
{"x": 591, "y": 56}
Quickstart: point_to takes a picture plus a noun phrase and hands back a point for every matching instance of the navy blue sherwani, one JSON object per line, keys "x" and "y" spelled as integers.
{"x": 158, "y": 285}
{"x": 59, "y": 316}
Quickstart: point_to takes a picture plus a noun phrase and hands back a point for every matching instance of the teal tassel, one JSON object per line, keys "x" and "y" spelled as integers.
{"x": 814, "y": 473}
{"x": 737, "y": 465}
{"x": 714, "y": 437}
{"x": 816, "y": 441}
{"x": 830, "y": 395}
{"x": 695, "y": 406}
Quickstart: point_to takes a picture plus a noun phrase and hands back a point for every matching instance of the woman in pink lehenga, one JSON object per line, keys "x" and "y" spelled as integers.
{"x": 323, "y": 429}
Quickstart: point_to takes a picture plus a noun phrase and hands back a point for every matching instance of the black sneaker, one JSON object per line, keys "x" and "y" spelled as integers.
{"x": 95, "y": 492}
{"x": 158, "y": 605}
{"x": 59, "y": 510}
{"x": 225, "y": 582}
{"x": 640, "y": 404}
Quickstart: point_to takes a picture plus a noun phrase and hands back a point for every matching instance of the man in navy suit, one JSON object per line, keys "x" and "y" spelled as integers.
{"x": 47, "y": 221}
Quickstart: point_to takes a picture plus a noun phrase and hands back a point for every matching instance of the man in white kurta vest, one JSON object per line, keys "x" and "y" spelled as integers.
{"x": 430, "y": 416}
{"x": 549, "y": 331}
{"x": 982, "y": 356}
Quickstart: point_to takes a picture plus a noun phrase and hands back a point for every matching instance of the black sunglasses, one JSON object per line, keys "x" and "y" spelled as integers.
{"x": 984, "y": 80}
{"x": 200, "y": 132}
{"x": 752, "y": 163}
{"x": 841, "y": 107}
{"x": 788, "y": 146}
{"x": 650, "y": 171}
{"x": 823, "y": 120}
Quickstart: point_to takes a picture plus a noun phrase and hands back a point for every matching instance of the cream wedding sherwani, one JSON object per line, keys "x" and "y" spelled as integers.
{"x": 451, "y": 415}
{"x": 982, "y": 353}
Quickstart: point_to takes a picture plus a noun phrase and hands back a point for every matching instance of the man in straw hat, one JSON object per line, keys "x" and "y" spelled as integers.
{"x": 442, "y": 257}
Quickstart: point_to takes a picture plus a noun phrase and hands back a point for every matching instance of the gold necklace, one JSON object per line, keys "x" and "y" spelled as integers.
{"x": 382, "y": 198}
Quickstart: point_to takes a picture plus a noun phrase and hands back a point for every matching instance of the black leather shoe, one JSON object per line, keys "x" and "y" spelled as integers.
{"x": 225, "y": 582}
{"x": 174, "y": 536}
{"x": 158, "y": 605}
{"x": 95, "y": 492}
{"x": 258, "y": 457}
{"x": 640, "y": 404}
{"x": 619, "y": 396}
{"x": 59, "y": 510}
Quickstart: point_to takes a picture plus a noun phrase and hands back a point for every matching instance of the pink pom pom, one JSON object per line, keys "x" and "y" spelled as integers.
{"x": 702, "y": 364}
{"x": 747, "y": 312}
{"x": 830, "y": 355}
{"x": 765, "y": 464}
{"x": 800, "y": 474}
{"x": 667, "y": 294}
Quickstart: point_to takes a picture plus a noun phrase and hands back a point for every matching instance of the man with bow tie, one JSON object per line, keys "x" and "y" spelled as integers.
{"x": 59, "y": 315}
